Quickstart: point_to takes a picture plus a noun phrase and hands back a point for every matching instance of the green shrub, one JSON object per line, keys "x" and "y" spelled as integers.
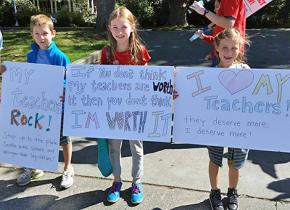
{"x": 78, "y": 19}
{"x": 7, "y": 17}
{"x": 25, "y": 9}
{"x": 64, "y": 18}
{"x": 161, "y": 11}
{"x": 142, "y": 9}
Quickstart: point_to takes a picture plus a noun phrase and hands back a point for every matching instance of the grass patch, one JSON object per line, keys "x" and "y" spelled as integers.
{"x": 74, "y": 43}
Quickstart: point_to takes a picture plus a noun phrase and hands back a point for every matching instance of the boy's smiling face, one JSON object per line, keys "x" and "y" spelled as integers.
{"x": 43, "y": 36}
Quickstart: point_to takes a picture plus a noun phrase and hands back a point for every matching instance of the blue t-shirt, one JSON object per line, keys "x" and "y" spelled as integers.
{"x": 54, "y": 55}
{"x": 41, "y": 57}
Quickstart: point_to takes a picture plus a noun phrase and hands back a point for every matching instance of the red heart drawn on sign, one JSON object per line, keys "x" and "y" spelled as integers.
{"x": 235, "y": 82}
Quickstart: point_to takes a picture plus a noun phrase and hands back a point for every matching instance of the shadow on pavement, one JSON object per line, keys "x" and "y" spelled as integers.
{"x": 267, "y": 160}
{"x": 39, "y": 202}
{"x": 10, "y": 188}
{"x": 152, "y": 147}
{"x": 198, "y": 206}
{"x": 281, "y": 186}
{"x": 88, "y": 154}
{"x": 80, "y": 200}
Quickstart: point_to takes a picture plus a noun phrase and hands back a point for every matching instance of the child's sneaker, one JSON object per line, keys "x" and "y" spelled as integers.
{"x": 67, "y": 179}
{"x": 28, "y": 175}
{"x": 114, "y": 193}
{"x": 216, "y": 200}
{"x": 232, "y": 199}
{"x": 137, "y": 193}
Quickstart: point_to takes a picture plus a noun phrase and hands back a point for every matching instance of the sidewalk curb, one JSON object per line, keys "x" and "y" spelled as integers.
{"x": 90, "y": 59}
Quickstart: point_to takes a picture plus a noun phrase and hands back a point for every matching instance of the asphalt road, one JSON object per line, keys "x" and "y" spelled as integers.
{"x": 270, "y": 48}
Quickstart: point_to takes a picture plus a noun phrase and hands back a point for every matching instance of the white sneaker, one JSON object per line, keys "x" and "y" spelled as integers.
{"x": 67, "y": 179}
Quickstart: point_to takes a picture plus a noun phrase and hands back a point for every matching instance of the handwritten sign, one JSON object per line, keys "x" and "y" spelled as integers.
{"x": 119, "y": 102}
{"x": 31, "y": 115}
{"x": 253, "y": 6}
{"x": 230, "y": 107}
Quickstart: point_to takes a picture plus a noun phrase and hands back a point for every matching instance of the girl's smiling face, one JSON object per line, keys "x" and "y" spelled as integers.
{"x": 228, "y": 50}
{"x": 121, "y": 30}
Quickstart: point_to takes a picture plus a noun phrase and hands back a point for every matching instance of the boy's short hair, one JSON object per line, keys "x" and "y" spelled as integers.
{"x": 41, "y": 19}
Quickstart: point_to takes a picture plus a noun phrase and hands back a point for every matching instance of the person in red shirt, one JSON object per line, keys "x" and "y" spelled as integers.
{"x": 231, "y": 14}
{"x": 125, "y": 48}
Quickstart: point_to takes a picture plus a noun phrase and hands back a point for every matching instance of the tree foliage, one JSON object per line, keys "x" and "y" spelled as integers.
{"x": 152, "y": 13}
{"x": 142, "y": 9}
{"x": 25, "y": 9}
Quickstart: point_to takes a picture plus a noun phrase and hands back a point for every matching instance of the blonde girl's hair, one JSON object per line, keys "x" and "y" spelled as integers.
{"x": 233, "y": 34}
{"x": 135, "y": 46}
{"x": 39, "y": 20}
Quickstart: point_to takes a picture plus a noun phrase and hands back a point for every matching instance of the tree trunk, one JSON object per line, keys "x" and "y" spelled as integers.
{"x": 177, "y": 12}
{"x": 104, "y": 9}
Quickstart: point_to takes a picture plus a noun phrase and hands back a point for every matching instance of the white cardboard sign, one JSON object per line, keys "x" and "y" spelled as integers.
{"x": 231, "y": 107}
{"x": 253, "y": 6}
{"x": 31, "y": 115}
{"x": 119, "y": 102}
